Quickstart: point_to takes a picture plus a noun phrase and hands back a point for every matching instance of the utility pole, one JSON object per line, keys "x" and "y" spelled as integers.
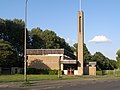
{"x": 59, "y": 69}
{"x": 25, "y": 60}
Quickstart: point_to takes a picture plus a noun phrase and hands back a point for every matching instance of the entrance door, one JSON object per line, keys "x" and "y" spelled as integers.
{"x": 70, "y": 68}
{"x": 70, "y": 71}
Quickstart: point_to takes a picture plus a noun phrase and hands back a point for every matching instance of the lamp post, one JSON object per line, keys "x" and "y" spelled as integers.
{"x": 59, "y": 67}
{"x": 25, "y": 61}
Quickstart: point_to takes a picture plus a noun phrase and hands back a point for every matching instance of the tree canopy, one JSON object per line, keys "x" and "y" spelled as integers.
{"x": 87, "y": 54}
{"x": 47, "y": 39}
{"x": 118, "y": 57}
{"x": 13, "y": 32}
{"x": 8, "y": 56}
{"x": 103, "y": 63}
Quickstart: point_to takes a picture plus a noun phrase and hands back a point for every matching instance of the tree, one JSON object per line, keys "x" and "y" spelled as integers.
{"x": 47, "y": 39}
{"x": 103, "y": 63}
{"x": 13, "y": 32}
{"x": 36, "y": 40}
{"x": 99, "y": 58}
{"x": 118, "y": 58}
{"x": 113, "y": 64}
{"x": 8, "y": 56}
{"x": 87, "y": 54}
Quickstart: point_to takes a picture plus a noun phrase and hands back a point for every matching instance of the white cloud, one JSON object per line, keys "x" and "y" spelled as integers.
{"x": 100, "y": 39}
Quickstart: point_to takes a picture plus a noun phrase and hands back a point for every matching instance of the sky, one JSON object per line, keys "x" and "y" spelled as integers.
{"x": 101, "y": 20}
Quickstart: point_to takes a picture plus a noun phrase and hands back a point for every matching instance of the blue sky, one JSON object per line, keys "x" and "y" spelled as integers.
{"x": 102, "y": 18}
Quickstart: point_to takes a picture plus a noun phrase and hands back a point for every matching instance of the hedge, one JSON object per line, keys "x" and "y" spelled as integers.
{"x": 41, "y": 71}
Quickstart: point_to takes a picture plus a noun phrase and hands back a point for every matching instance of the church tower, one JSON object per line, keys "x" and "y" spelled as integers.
{"x": 80, "y": 41}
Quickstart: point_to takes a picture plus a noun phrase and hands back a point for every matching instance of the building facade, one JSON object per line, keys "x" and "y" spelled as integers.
{"x": 53, "y": 59}
{"x": 56, "y": 59}
{"x": 60, "y": 59}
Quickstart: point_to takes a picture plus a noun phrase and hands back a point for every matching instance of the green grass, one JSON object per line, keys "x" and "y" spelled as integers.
{"x": 42, "y": 77}
{"x": 20, "y": 77}
{"x": 99, "y": 72}
{"x": 11, "y": 78}
{"x": 113, "y": 72}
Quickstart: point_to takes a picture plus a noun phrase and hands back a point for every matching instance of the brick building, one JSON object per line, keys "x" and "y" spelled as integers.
{"x": 55, "y": 59}
{"x": 52, "y": 59}
{"x": 62, "y": 59}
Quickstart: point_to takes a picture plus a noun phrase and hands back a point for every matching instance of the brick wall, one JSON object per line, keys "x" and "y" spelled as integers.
{"x": 43, "y": 62}
{"x": 92, "y": 71}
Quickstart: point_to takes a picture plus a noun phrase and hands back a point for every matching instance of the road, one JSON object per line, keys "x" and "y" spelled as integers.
{"x": 90, "y": 84}
{"x": 113, "y": 85}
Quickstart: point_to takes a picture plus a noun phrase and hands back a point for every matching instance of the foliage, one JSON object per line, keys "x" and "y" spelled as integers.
{"x": 115, "y": 72}
{"x": 87, "y": 54}
{"x": 8, "y": 56}
{"x": 113, "y": 64}
{"x": 41, "y": 71}
{"x": 36, "y": 40}
{"x": 53, "y": 72}
{"x": 103, "y": 63}
{"x": 13, "y": 32}
{"x": 98, "y": 72}
{"x": 118, "y": 58}
{"x": 47, "y": 39}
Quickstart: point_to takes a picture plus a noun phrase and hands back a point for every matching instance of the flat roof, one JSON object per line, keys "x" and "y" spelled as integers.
{"x": 69, "y": 61}
{"x": 50, "y": 51}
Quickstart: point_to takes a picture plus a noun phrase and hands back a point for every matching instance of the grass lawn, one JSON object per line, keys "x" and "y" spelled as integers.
{"x": 20, "y": 77}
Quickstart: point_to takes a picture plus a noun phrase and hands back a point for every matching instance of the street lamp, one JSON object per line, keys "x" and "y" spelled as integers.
{"x": 25, "y": 61}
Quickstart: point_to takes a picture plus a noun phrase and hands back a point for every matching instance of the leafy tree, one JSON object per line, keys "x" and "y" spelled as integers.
{"x": 36, "y": 40}
{"x": 87, "y": 54}
{"x": 8, "y": 56}
{"x": 113, "y": 64}
{"x": 99, "y": 58}
{"x": 47, "y": 39}
{"x": 118, "y": 58}
{"x": 13, "y": 32}
{"x": 104, "y": 63}
{"x": 50, "y": 38}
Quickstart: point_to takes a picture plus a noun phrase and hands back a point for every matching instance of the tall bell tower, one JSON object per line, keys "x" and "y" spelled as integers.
{"x": 80, "y": 41}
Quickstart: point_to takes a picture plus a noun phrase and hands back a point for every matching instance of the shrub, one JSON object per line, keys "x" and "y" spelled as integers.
{"x": 41, "y": 71}
{"x": 32, "y": 71}
{"x": 99, "y": 72}
{"x": 53, "y": 72}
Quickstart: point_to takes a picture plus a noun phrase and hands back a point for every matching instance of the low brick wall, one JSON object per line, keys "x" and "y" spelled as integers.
{"x": 92, "y": 71}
